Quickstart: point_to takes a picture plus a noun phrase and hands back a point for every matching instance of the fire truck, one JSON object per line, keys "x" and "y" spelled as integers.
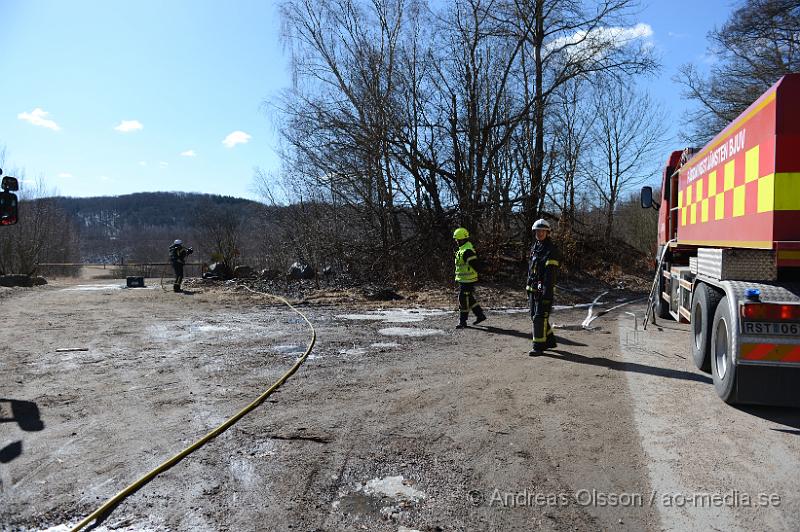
{"x": 729, "y": 250}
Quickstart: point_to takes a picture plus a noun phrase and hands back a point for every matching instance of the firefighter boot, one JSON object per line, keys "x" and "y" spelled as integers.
{"x": 551, "y": 342}
{"x": 462, "y": 320}
{"x": 537, "y": 350}
{"x": 176, "y": 288}
{"x": 479, "y": 315}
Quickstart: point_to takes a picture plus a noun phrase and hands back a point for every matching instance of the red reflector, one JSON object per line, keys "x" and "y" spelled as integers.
{"x": 770, "y": 312}
{"x": 753, "y": 311}
{"x": 790, "y": 312}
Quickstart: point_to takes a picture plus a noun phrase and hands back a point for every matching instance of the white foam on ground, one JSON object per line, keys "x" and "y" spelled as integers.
{"x": 409, "y": 331}
{"x": 219, "y": 331}
{"x": 101, "y": 528}
{"x": 513, "y": 310}
{"x": 356, "y": 351}
{"x": 289, "y": 349}
{"x": 524, "y": 310}
{"x": 385, "y": 345}
{"x": 393, "y": 487}
{"x": 400, "y": 315}
{"x": 93, "y": 287}
{"x": 213, "y": 328}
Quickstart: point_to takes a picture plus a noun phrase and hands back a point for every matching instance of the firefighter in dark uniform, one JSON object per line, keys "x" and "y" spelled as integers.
{"x": 177, "y": 256}
{"x": 466, "y": 277}
{"x": 542, "y": 270}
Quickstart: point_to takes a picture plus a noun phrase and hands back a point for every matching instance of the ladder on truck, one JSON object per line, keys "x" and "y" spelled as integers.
{"x": 654, "y": 291}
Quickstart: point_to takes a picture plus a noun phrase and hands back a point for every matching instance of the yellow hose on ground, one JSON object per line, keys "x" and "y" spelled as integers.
{"x": 119, "y": 497}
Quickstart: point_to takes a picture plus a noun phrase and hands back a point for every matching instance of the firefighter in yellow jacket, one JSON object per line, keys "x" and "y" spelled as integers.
{"x": 466, "y": 277}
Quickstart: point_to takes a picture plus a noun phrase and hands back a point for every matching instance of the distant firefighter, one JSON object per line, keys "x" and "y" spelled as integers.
{"x": 177, "y": 256}
{"x": 466, "y": 277}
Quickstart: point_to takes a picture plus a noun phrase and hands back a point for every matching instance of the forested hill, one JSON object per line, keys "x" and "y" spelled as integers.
{"x": 153, "y": 209}
{"x": 140, "y": 226}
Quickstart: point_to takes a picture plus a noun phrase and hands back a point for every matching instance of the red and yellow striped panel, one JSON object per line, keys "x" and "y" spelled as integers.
{"x": 745, "y": 185}
{"x": 789, "y": 257}
{"x": 770, "y": 352}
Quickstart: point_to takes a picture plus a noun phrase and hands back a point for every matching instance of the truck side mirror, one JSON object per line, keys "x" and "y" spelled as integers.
{"x": 646, "y": 197}
{"x": 8, "y": 208}
{"x": 10, "y": 183}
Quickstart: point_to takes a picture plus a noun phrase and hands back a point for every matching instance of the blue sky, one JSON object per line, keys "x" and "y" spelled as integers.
{"x": 108, "y": 98}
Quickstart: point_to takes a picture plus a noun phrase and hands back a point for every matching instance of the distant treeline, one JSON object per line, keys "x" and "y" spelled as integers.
{"x": 139, "y": 227}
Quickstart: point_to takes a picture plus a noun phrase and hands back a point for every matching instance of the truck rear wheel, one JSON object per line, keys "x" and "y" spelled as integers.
{"x": 723, "y": 346}
{"x": 704, "y": 303}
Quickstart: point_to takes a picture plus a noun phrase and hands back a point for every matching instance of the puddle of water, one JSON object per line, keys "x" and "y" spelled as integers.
{"x": 399, "y": 315}
{"x": 409, "y": 331}
{"x": 394, "y": 487}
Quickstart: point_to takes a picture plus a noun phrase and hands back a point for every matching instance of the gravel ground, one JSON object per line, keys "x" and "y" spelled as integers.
{"x": 396, "y": 422}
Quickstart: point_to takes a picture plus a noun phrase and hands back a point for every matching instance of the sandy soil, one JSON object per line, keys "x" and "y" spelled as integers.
{"x": 396, "y": 422}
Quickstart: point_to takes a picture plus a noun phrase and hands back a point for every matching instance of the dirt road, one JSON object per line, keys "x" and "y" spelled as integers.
{"x": 396, "y": 422}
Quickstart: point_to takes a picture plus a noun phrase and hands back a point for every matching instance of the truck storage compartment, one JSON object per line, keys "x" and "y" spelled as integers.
{"x": 737, "y": 264}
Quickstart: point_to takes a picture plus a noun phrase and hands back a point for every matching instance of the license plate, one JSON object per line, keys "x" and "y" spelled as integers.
{"x": 771, "y": 328}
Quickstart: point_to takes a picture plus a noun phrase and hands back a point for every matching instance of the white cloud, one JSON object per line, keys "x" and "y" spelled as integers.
{"x": 37, "y": 118}
{"x": 189, "y": 153}
{"x": 163, "y": 164}
{"x": 583, "y": 45}
{"x": 65, "y": 175}
{"x": 126, "y": 126}
{"x": 142, "y": 163}
{"x": 104, "y": 178}
{"x": 237, "y": 137}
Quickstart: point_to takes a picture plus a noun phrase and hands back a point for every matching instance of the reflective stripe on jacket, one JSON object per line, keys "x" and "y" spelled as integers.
{"x": 545, "y": 260}
{"x": 465, "y": 273}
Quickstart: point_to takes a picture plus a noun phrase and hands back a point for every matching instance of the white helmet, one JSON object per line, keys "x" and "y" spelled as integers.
{"x": 178, "y": 242}
{"x": 541, "y": 223}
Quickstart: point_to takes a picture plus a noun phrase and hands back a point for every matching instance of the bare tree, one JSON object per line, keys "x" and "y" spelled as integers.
{"x": 344, "y": 55}
{"x": 221, "y": 233}
{"x": 627, "y": 133}
{"x": 406, "y": 118}
{"x": 572, "y": 125}
{"x": 570, "y": 39}
{"x": 758, "y": 44}
{"x": 44, "y": 232}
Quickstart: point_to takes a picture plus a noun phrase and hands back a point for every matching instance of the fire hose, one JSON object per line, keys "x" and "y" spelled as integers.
{"x": 134, "y": 487}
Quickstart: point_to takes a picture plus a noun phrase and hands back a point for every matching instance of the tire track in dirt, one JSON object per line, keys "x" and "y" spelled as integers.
{"x": 698, "y": 446}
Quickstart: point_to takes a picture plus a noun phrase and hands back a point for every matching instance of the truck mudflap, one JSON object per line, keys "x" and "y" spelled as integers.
{"x": 768, "y": 385}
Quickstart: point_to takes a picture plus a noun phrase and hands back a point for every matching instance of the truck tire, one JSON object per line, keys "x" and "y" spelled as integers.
{"x": 704, "y": 303}
{"x": 723, "y": 346}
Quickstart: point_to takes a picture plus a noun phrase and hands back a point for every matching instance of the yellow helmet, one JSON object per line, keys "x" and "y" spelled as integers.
{"x": 460, "y": 234}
